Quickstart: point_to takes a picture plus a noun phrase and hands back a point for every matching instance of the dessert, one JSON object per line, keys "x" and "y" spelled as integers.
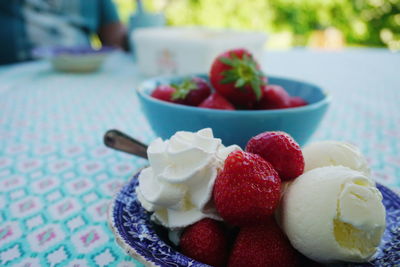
{"x": 333, "y": 214}
{"x": 238, "y": 83}
{"x": 216, "y": 196}
{"x": 178, "y": 184}
{"x": 333, "y": 153}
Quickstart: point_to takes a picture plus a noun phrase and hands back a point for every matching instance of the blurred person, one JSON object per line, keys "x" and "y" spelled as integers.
{"x": 26, "y": 24}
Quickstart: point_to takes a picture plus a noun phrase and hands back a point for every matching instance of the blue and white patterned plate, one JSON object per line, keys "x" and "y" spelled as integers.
{"x": 148, "y": 243}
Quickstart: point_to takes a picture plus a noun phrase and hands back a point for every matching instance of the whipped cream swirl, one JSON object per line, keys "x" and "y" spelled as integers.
{"x": 178, "y": 185}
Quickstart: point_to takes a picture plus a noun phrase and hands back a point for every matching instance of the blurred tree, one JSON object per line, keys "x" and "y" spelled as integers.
{"x": 362, "y": 22}
{"x": 377, "y": 22}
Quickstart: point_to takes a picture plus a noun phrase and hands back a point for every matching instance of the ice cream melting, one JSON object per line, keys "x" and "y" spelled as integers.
{"x": 333, "y": 214}
{"x": 177, "y": 186}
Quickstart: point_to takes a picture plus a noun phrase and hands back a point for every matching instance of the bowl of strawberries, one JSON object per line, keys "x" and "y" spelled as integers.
{"x": 236, "y": 99}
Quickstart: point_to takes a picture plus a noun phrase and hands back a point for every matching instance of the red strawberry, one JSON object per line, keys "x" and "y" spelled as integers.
{"x": 281, "y": 151}
{"x": 263, "y": 245}
{"x": 274, "y": 97}
{"x": 247, "y": 190}
{"x": 297, "y": 101}
{"x": 205, "y": 241}
{"x": 163, "y": 92}
{"x": 216, "y": 101}
{"x": 191, "y": 91}
{"x": 237, "y": 76}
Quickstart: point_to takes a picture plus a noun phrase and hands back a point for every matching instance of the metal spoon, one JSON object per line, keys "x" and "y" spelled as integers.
{"x": 123, "y": 142}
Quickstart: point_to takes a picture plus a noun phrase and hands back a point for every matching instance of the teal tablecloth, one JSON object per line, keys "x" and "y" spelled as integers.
{"x": 57, "y": 178}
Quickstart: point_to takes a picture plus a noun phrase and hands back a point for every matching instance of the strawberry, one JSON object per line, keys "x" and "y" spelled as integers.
{"x": 247, "y": 190}
{"x": 281, "y": 151}
{"x": 191, "y": 91}
{"x": 274, "y": 97}
{"x": 263, "y": 245}
{"x": 216, "y": 101}
{"x": 206, "y": 241}
{"x": 163, "y": 92}
{"x": 297, "y": 101}
{"x": 236, "y": 75}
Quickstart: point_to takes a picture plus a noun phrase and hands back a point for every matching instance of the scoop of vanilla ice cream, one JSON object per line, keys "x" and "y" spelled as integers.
{"x": 177, "y": 186}
{"x": 333, "y": 214}
{"x": 334, "y": 153}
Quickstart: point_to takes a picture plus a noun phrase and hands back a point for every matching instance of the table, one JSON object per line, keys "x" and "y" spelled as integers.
{"x": 57, "y": 178}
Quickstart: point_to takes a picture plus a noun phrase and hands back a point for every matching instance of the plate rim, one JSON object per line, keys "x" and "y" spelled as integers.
{"x": 119, "y": 239}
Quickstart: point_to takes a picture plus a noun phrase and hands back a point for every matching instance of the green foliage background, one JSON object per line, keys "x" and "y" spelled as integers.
{"x": 362, "y": 22}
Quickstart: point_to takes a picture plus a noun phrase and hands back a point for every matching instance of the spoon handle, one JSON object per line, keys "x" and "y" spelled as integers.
{"x": 122, "y": 142}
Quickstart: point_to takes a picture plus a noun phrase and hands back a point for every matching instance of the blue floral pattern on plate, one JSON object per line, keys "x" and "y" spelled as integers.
{"x": 137, "y": 235}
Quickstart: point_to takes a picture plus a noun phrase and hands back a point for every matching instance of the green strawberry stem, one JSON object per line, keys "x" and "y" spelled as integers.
{"x": 243, "y": 72}
{"x": 183, "y": 89}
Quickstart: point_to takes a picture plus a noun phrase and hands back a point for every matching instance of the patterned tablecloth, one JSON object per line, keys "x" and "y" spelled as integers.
{"x": 57, "y": 178}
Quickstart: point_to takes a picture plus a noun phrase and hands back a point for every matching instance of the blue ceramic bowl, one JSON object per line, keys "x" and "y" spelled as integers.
{"x": 238, "y": 126}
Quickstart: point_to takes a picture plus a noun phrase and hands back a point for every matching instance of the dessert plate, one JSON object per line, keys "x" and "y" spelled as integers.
{"x": 148, "y": 243}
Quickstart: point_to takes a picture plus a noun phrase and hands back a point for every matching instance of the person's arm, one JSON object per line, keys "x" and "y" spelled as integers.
{"x": 113, "y": 34}
{"x": 111, "y": 31}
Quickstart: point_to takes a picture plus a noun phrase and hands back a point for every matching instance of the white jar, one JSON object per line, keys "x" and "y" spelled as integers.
{"x": 176, "y": 50}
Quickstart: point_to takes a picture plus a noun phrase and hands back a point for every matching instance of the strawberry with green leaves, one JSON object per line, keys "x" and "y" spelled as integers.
{"x": 237, "y": 76}
{"x": 163, "y": 92}
{"x": 191, "y": 92}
